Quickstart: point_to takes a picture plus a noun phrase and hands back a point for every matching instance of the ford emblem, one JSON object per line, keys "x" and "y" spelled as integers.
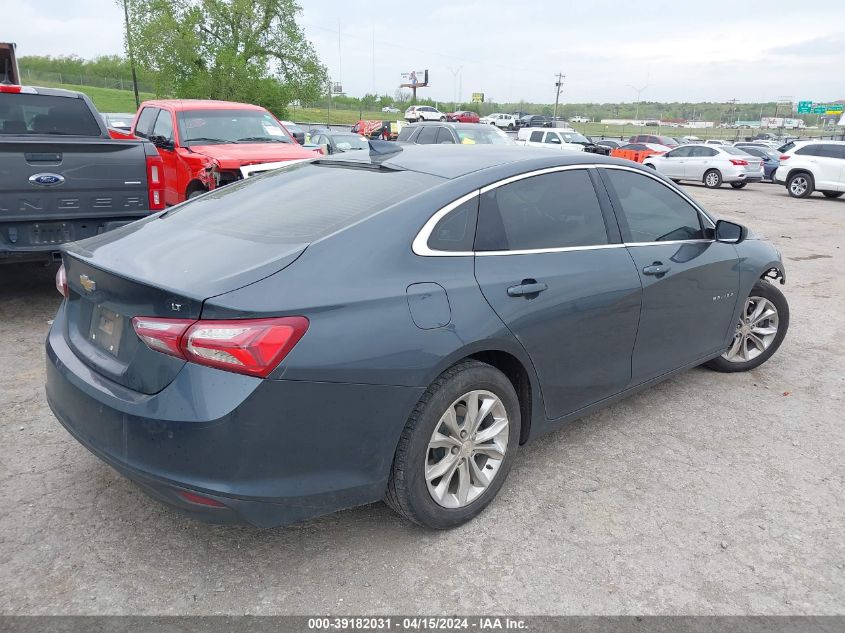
{"x": 46, "y": 180}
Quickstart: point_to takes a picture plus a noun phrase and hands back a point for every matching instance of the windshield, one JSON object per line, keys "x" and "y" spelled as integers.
{"x": 349, "y": 142}
{"x": 484, "y": 137}
{"x": 201, "y": 127}
{"x": 574, "y": 137}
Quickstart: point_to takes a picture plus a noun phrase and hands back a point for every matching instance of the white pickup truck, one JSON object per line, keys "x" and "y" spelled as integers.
{"x": 550, "y": 138}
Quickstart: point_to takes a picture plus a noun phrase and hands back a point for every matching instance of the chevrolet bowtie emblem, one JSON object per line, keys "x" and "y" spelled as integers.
{"x": 89, "y": 284}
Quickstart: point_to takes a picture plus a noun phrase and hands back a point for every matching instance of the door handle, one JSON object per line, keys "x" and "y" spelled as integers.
{"x": 657, "y": 268}
{"x": 527, "y": 287}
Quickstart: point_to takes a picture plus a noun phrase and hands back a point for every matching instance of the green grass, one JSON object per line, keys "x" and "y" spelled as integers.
{"x": 340, "y": 117}
{"x": 105, "y": 99}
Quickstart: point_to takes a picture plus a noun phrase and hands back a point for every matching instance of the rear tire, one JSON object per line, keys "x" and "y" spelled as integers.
{"x": 800, "y": 184}
{"x": 769, "y": 331}
{"x": 738, "y": 185}
{"x": 712, "y": 179}
{"x": 833, "y": 194}
{"x": 432, "y": 438}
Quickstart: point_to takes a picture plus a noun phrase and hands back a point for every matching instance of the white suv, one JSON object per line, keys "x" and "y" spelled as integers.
{"x": 808, "y": 166}
{"x": 424, "y": 113}
{"x": 502, "y": 121}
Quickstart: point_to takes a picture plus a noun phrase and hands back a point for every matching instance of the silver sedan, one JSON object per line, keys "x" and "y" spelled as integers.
{"x": 710, "y": 164}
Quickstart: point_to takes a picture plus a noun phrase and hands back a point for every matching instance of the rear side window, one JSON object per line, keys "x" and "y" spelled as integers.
{"x": 44, "y": 114}
{"x": 281, "y": 206}
{"x": 536, "y": 137}
{"x": 809, "y": 150}
{"x": 405, "y": 133}
{"x": 427, "y": 135}
{"x": 652, "y": 211}
{"x": 548, "y": 211}
{"x": 144, "y": 127}
{"x": 832, "y": 151}
{"x": 455, "y": 232}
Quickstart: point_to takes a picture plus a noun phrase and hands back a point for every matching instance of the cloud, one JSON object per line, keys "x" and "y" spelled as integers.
{"x": 827, "y": 46}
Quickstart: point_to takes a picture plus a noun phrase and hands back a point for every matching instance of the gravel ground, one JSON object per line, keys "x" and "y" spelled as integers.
{"x": 708, "y": 494}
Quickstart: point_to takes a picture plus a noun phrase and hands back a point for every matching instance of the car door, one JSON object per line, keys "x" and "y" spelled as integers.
{"x": 839, "y": 156}
{"x": 549, "y": 262}
{"x": 536, "y": 138}
{"x": 830, "y": 167}
{"x": 700, "y": 159}
{"x": 165, "y": 142}
{"x": 690, "y": 282}
{"x": 553, "y": 139}
{"x": 671, "y": 164}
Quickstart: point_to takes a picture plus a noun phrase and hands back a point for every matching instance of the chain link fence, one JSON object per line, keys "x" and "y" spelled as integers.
{"x": 31, "y": 77}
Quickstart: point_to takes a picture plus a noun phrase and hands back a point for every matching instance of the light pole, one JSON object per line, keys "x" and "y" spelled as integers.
{"x": 639, "y": 91}
{"x": 558, "y": 86}
{"x": 455, "y": 74}
{"x": 131, "y": 56}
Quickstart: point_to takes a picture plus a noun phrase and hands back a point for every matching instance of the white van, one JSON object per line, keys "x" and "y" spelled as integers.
{"x": 550, "y": 138}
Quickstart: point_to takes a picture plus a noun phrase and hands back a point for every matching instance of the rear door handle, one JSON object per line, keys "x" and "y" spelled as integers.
{"x": 657, "y": 268}
{"x": 527, "y": 287}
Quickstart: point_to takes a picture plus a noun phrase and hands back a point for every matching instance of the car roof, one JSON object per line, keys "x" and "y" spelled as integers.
{"x": 452, "y": 124}
{"x": 455, "y": 161}
{"x": 200, "y": 104}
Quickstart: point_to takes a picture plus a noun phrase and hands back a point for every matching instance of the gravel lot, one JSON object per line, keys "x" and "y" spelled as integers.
{"x": 709, "y": 494}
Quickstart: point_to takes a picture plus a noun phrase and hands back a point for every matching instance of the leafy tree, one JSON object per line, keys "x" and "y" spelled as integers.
{"x": 238, "y": 50}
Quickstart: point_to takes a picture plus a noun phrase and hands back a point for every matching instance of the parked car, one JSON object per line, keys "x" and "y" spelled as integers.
{"x": 500, "y": 120}
{"x": 297, "y": 132}
{"x": 638, "y": 152}
{"x": 808, "y": 166}
{"x": 390, "y": 109}
{"x": 62, "y": 176}
{"x": 267, "y": 354}
{"x": 547, "y": 139}
{"x": 715, "y": 141}
{"x": 534, "y": 120}
{"x": 770, "y": 157}
{"x": 710, "y": 164}
{"x": 339, "y": 142}
{"x": 579, "y": 119}
{"x": 666, "y": 141}
{"x": 208, "y": 144}
{"x": 429, "y": 133}
{"x": 424, "y": 113}
{"x": 609, "y": 143}
{"x": 462, "y": 116}
{"x": 119, "y": 120}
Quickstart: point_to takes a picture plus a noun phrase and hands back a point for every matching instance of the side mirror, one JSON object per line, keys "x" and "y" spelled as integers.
{"x": 730, "y": 232}
{"x": 556, "y": 141}
{"x": 161, "y": 142}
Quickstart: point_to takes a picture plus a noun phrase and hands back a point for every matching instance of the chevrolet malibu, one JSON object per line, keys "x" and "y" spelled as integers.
{"x": 392, "y": 326}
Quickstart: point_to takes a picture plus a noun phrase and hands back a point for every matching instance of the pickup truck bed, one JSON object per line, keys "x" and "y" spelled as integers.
{"x": 62, "y": 177}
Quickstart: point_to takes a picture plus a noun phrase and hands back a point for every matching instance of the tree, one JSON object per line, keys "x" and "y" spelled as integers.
{"x": 238, "y": 50}
{"x": 401, "y": 96}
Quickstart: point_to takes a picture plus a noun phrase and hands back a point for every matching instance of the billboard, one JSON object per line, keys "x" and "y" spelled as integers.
{"x": 415, "y": 79}
{"x": 478, "y": 97}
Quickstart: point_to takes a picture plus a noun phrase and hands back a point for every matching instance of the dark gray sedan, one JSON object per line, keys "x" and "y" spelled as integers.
{"x": 393, "y": 326}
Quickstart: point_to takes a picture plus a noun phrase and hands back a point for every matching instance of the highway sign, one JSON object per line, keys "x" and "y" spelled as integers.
{"x": 804, "y": 107}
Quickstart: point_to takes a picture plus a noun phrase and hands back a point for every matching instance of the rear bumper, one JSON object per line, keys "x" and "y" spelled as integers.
{"x": 271, "y": 451}
{"x": 742, "y": 176}
{"x": 23, "y": 238}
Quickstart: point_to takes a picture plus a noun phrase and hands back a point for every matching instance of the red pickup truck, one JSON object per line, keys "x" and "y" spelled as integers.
{"x": 207, "y": 144}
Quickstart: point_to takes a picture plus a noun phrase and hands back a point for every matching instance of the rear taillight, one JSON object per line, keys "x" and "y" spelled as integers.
{"x": 61, "y": 281}
{"x": 738, "y": 161}
{"x": 155, "y": 182}
{"x": 201, "y": 500}
{"x": 784, "y": 157}
{"x": 246, "y": 346}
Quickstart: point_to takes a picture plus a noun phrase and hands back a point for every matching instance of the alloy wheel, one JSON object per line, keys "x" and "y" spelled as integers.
{"x": 798, "y": 185}
{"x": 466, "y": 449}
{"x": 755, "y": 332}
{"x": 712, "y": 179}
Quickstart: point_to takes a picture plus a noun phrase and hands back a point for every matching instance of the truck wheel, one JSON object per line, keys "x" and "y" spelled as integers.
{"x": 712, "y": 179}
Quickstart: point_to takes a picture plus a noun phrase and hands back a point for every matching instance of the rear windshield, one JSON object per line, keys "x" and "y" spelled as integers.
{"x": 300, "y": 203}
{"x": 736, "y": 151}
{"x": 22, "y": 113}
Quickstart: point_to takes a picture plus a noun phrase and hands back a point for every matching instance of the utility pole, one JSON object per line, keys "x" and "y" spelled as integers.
{"x": 558, "y": 86}
{"x": 733, "y": 110}
{"x": 455, "y": 73}
{"x": 131, "y": 56}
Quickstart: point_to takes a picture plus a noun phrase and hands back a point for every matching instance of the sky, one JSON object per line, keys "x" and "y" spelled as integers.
{"x": 609, "y": 51}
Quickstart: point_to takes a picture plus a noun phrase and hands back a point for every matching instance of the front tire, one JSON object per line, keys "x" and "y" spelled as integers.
{"x": 457, "y": 447}
{"x": 738, "y": 185}
{"x": 800, "y": 185}
{"x": 712, "y": 179}
{"x": 761, "y": 329}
